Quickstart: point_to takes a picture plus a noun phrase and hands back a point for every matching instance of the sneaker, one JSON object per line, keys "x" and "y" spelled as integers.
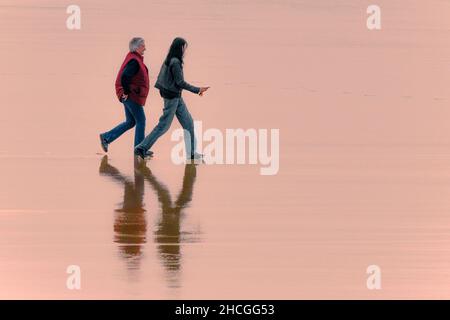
{"x": 196, "y": 156}
{"x": 140, "y": 152}
{"x": 103, "y": 143}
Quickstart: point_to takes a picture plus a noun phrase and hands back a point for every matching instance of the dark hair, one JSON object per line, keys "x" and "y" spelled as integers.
{"x": 176, "y": 50}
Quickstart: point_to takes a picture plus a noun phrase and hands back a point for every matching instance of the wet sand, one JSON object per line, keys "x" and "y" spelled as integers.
{"x": 364, "y": 153}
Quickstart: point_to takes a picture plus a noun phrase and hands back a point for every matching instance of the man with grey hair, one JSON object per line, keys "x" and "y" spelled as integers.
{"x": 132, "y": 87}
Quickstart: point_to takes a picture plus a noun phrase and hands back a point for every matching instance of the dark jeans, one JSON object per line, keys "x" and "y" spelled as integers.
{"x": 172, "y": 107}
{"x": 134, "y": 116}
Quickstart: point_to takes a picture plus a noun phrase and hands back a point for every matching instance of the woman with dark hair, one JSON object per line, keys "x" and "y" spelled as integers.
{"x": 171, "y": 83}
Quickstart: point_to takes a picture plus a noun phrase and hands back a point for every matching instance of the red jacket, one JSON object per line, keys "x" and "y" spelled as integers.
{"x": 139, "y": 85}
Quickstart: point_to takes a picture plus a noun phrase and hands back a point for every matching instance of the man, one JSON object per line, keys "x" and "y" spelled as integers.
{"x": 132, "y": 87}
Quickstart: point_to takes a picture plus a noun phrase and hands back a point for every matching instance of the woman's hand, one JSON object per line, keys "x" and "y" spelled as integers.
{"x": 202, "y": 90}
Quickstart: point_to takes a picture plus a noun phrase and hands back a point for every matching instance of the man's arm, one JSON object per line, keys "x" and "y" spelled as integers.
{"x": 177, "y": 72}
{"x": 129, "y": 72}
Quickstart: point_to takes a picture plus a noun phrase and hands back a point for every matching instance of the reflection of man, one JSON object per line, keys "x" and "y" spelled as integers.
{"x": 130, "y": 225}
{"x": 168, "y": 234}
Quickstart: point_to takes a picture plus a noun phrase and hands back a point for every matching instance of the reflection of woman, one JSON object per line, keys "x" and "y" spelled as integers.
{"x": 171, "y": 83}
{"x": 168, "y": 233}
{"x": 130, "y": 225}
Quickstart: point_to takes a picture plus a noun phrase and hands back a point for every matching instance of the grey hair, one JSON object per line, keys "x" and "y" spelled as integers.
{"x": 135, "y": 43}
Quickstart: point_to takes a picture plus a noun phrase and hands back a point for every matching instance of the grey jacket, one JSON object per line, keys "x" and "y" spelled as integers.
{"x": 171, "y": 78}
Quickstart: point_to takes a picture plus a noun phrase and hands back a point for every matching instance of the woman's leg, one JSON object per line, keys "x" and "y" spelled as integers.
{"x": 170, "y": 106}
{"x": 129, "y": 123}
{"x": 185, "y": 119}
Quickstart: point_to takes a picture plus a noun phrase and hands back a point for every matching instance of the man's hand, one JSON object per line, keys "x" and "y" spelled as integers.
{"x": 203, "y": 90}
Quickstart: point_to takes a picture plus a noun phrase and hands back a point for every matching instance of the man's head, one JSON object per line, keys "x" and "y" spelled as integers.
{"x": 137, "y": 44}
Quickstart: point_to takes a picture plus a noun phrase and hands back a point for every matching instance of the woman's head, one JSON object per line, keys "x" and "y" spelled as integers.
{"x": 176, "y": 50}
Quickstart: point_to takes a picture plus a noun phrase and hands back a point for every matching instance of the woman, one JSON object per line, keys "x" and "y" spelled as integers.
{"x": 171, "y": 83}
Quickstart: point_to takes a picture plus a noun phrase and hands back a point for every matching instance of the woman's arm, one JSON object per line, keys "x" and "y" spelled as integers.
{"x": 177, "y": 72}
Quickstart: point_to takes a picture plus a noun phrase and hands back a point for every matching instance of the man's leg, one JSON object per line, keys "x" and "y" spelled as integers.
{"x": 139, "y": 117}
{"x": 170, "y": 106}
{"x": 129, "y": 123}
{"x": 185, "y": 119}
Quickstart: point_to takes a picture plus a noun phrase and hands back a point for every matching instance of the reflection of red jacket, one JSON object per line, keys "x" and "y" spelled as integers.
{"x": 139, "y": 84}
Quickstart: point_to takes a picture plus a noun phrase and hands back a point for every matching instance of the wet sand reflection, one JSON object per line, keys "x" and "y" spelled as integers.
{"x": 130, "y": 226}
{"x": 168, "y": 233}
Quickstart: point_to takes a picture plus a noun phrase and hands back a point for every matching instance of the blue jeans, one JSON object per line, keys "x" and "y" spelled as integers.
{"x": 134, "y": 116}
{"x": 172, "y": 107}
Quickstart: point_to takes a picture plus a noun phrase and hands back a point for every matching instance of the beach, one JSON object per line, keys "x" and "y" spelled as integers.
{"x": 364, "y": 152}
